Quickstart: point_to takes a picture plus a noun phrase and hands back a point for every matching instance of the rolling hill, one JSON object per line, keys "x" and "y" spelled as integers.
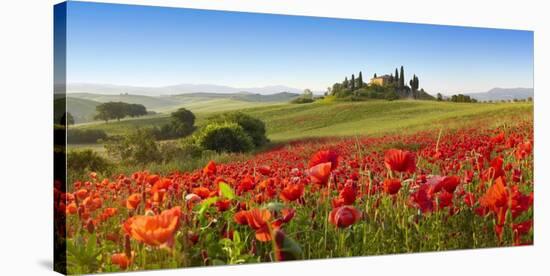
{"x": 82, "y": 110}
{"x": 83, "y": 104}
{"x": 333, "y": 118}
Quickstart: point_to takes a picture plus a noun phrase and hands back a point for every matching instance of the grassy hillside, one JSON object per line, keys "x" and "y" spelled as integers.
{"x": 151, "y": 103}
{"x": 359, "y": 118}
{"x": 196, "y": 102}
{"x": 83, "y": 110}
{"x": 329, "y": 118}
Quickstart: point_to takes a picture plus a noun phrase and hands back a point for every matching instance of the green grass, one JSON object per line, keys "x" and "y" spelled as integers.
{"x": 202, "y": 108}
{"x": 333, "y": 118}
{"x": 377, "y": 116}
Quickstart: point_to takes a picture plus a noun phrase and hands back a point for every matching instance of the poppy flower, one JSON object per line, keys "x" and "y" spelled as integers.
{"x": 523, "y": 150}
{"x": 449, "y": 183}
{"x": 71, "y": 208}
{"x": 223, "y": 205}
{"x": 133, "y": 201}
{"x": 202, "y": 192}
{"x": 392, "y": 186}
{"x": 344, "y": 216}
{"x": 241, "y": 217}
{"x": 324, "y": 156}
{"x": 265, "y": 170}
{"x": 286, "y": 215}
{"x": 258, "y": 219}
{"x": 320, "y": 173}
{"x": 81, "y": 194}
{"x": 210, "y": 168}
{"x": 423, "y": 199}
{"x": 496, "y": 196}
{"x": 155, "y": 230}
{"x": 400, "y": 160}
{"x": 121, "y": 260}
{"x": 292, "y": 192}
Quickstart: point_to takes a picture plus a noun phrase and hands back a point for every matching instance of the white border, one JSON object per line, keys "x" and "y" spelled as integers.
{"x": 26, "y": 136}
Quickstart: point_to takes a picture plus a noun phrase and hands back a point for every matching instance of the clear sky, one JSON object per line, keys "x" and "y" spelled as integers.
{"x": 156, "y": 46}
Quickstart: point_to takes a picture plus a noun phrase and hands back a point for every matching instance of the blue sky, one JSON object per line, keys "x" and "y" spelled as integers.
{"x": 156, "y": 46}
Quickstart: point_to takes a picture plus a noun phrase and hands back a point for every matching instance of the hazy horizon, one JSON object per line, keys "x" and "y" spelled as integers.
{"x": 145, "y": 46}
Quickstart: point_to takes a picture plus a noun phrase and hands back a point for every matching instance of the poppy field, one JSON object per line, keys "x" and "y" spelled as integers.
{"x": 433, "y": 190}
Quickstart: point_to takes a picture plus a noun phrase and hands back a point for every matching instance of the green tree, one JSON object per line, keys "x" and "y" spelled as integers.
{"x": 402, "y": 78}
{"x": 183, "y": 116}
{"x": 136, "y": 110}
{"x": 345, "y": 83}
{"x": 360, "y": 80}
{"x": 352, "y": 84}
{"x": 439, "y": 97}
{"x": 396, "y": 78}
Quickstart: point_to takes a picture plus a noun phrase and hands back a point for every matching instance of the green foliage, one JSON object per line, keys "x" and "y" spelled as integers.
{"x": 84, "y": 161}
{"x": 118, "y": 110}
{"x": 253, "y": 127}
{"x": 460, "y": 98}
{"x": 184, "y": 117}
{"x": 225, "y": 137}
{"x": 137, "y": 147}
{"x": 182, "y": 124}
{"x": 84, "y": 136}
{"x": 226, "y": 190}
{"x": 302, "y": 100}
{"x": 83, "y": 255}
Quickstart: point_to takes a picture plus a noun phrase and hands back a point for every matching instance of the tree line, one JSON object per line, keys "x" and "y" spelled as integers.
{"x": 393, "y": 87}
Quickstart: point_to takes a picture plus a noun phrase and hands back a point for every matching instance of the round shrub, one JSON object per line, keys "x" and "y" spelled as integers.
{"x": 225, "y": 137}
{"x": 254, "y": 127}
{"x": 84, "y": 136}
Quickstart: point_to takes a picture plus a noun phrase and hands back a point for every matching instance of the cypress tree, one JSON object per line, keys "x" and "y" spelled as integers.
{"x": 352, "y": 82}
{"x": 346, "y": 83}
{"x": 396, "y": 78}
{"x": 360, "y": 80}
{"x": 402, "y": 78}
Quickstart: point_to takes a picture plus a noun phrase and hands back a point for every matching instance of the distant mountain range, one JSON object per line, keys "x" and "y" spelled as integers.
{"x": 497, "y": 94}
{"x": 111, "y": 89}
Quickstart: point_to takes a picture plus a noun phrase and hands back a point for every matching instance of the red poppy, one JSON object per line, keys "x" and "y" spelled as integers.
{"x": 241, "y": 217}
{"x": 133, "y": 201}
{"x": 324, "y": 156}
{"x": 400, "y": 160}
{"x": 223, "y": 205}
{"x": 210, "y": 168}
{"x": 258, "y": 219}
{"x": 392, "y": 186}
{"x": 344, "y": 216}
{"x": 121, "y": 260}
{"x": 496, "y": 196}
{"x": 81, "y": 194}
{"x": 320, "y": 173}
{"x": 292, "y": 192}
{"x": 71, "y": 208}
{"x": 523, "y": 150}
{"x": 203, "y": 192}
{"x": 155, "y": 230}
